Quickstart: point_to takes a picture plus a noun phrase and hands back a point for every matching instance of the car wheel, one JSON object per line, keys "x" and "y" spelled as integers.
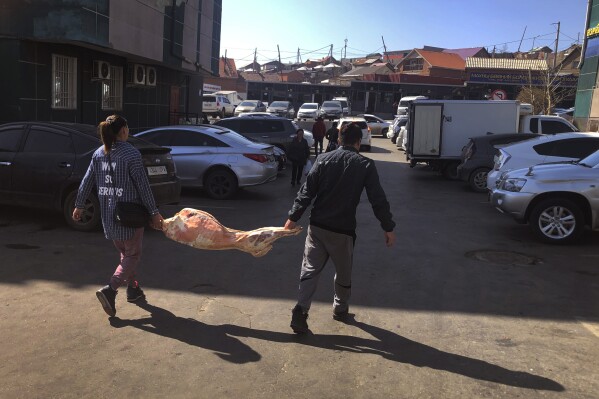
{"x": 478, "y": 180}
{"x": 220, "y": 184}
{"x": 557, "y": 220}
{"x": 450, "y": 171}
{"x": 221, "y": 114}
{"x": 91, "y": 216}
{"x": 384, "y": 132}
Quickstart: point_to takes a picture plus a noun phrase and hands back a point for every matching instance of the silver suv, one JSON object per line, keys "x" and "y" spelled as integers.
{"x": 557, "y": 200}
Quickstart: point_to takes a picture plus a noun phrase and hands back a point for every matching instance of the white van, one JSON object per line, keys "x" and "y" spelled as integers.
{"x": 404, "y": 103}
{"x": 233, "y": 97}
{"x": 345, "y": 105}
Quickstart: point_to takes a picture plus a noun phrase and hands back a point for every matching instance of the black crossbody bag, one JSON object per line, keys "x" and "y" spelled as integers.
{"x": 127, "y": 214}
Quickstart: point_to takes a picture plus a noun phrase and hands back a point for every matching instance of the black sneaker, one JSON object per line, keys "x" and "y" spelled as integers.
{"x": 106, "y": 296}
{"x": 134, "y": 293}
{"x": 299, "y": 319}
{"x": 340, "y": 315}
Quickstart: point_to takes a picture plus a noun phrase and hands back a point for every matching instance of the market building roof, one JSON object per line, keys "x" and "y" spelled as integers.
{"x": 505, "y": 63}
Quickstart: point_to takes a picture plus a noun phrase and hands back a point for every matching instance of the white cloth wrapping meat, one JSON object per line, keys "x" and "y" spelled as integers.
{"x": 201, "y": 230}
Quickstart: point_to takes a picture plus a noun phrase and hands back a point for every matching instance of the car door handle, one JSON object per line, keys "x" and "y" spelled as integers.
{"x": 265, "y": 137}
{"x": 5, "y": 163}
{"x": 64, "y": 165}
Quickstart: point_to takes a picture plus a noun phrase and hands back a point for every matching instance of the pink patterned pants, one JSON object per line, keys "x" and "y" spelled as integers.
{"x": 130, "y": 256}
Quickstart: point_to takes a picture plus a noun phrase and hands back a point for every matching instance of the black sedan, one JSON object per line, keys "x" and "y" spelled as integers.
{"x": 43, "y": 163}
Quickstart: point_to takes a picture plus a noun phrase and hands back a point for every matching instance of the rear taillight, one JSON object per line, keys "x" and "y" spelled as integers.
{"x": 257, "y": 157}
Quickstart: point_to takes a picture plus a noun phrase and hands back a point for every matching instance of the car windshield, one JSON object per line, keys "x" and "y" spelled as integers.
{"x": 592, "y": 161}
{"x": 309, "y": 106}
{"x": 332, "y": 104}
{"x": 279, "y": 104}
{"x": 249, "y": 103}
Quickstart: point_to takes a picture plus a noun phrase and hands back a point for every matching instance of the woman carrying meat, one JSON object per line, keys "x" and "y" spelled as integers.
{"x": 116, "y": 169}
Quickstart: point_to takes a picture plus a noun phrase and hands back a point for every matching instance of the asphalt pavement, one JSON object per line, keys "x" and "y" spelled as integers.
{"x": 467, "y": 304}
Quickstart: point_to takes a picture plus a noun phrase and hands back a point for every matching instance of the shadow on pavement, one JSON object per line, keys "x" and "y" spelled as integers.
{"x": 191, "y": 332}
{"x": 386, "y": 344}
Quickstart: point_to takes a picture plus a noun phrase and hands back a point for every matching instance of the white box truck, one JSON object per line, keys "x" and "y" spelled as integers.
{"x": 438, "y": 129}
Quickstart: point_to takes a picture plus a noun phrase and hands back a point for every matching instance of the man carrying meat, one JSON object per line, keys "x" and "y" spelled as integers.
{"x": 335, "y": 183}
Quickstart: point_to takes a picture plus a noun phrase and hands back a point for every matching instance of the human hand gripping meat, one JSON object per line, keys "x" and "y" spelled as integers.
{"x": 201, "y": 230}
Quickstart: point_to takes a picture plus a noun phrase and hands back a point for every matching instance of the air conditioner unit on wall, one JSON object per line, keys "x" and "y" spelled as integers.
{"x": 101, "y": 70}
{"x": 136, "y": 74}
{"x": 151, "y": 76}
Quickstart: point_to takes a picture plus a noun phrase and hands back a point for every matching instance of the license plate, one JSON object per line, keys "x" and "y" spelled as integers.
{"x": 156, "y": 170}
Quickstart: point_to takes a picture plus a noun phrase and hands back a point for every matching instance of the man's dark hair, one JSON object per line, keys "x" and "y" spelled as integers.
{"x": 351, "y": 134}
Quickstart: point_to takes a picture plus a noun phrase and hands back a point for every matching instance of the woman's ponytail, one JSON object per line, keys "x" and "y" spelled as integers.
{"x": 109, "y": 130}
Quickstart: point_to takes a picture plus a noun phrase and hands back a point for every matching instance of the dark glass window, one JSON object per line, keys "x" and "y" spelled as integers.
{"x": 575, "y": 148}
{"x": 10, "y": 138}
{"x": 534, "y": 125}
{"x": 552, "y": 127}
{"x": 159, "y": 137}
{"x": 194, "y": 139}
{"x": 47, "y": 141}
{"x": 84, "y": 143}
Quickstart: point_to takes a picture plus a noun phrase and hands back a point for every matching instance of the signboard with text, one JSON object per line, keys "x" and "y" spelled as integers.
{"x": 519, "y": 78}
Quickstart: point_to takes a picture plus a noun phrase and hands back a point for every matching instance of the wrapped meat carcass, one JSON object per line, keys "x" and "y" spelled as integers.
{"x": 201, "y": 230}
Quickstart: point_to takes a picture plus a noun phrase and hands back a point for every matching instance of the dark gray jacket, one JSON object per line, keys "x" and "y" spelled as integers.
{"x": 335, "y": 183}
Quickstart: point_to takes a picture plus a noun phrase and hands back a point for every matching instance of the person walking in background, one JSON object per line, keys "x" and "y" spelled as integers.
{"x": 319, "y": 130}
{"x": 335, "y": 183}
{"x": 117, "y": 171}
{"x": 298, "y": 153}
{"x": 333, "y": 136}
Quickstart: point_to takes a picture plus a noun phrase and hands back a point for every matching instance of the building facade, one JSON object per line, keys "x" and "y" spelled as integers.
{"x": 81, "y": 60}
{"x": 586, "y": 114}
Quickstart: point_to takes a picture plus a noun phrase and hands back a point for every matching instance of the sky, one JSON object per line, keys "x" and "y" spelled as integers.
{"x": 313, "y": 25}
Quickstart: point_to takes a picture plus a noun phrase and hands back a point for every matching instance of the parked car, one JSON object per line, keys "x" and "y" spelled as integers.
{"x": 478, "y": 157}
{"x": 250, "y": 106}
{"x": 543, "y": 149}
{"x": 377, "y": 125}
{"x": 366, "y": 142}
{"x": 331, "y": 110}
{"x": 556, "y": 200}
{"x": 270, "y": 129}
{"x": 567, "y": 114}
{"x": 281, "y": 108}
{"x": 345, "y": 104}
{"x": 215, "y": 158}
{"x": 396, "y": 126}
{"x": 217, "y": 105}
{"x": 42, "y": 165}
{"x": 308, "y": 111}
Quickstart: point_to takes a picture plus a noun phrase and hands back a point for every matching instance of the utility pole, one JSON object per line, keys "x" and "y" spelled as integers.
{"x": 280, "y": 65}
{"x": 385, "y": 47}
{"x": 255, "y": 52}
{"x": 523, "y": 33}
{"x": 556, "y": 43}
{"x": 299, "y": 57}
{"x": 345, "y": 48}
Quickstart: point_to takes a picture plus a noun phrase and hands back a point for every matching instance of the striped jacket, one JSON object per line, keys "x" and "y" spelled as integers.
{"x": 130, "y": 185}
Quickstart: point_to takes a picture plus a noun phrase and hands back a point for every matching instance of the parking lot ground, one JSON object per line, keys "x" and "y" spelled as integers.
{"x": 466, "y": 305}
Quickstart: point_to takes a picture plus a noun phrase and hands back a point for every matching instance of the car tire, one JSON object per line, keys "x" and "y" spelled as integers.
{"x": 221, "y": 114}
{"x": 450, "y": 171}
{"x": 220, "y": 184}
{"x": 478, "y": 180}
{"x": 557, "y": 220}
{"x": 91, "y": 216}
{"x": 384, "y": 132}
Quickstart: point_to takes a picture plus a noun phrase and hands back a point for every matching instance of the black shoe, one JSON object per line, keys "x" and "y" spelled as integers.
{"x": 106, "y": 296}
{"x": 135, "y": 293}
{"x": 293, "y": 183}
{"x": 299, "y": 319}
{"x": 340, "y": 315}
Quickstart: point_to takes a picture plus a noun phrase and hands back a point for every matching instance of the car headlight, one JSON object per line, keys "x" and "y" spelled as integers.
{"x": 513, "y": 184}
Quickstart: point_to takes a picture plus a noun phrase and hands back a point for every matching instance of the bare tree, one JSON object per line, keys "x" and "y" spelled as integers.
{"x": 544, "y": 90}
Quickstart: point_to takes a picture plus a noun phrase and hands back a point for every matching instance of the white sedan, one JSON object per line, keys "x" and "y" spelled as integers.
{"x": 561, "y": 147}
{"x": 377, "y": 125}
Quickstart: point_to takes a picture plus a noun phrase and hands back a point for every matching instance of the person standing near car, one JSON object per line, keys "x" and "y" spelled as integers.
{"x": 333, "y": 136}
{"x": 335, "y": 183}
{"x": 124, "y": 180}
{"x": 298, "y": 153}
{"x": 319, "y": 130}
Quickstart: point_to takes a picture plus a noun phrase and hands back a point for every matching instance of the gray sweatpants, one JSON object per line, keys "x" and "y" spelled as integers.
{"x": 320, "y": 245}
